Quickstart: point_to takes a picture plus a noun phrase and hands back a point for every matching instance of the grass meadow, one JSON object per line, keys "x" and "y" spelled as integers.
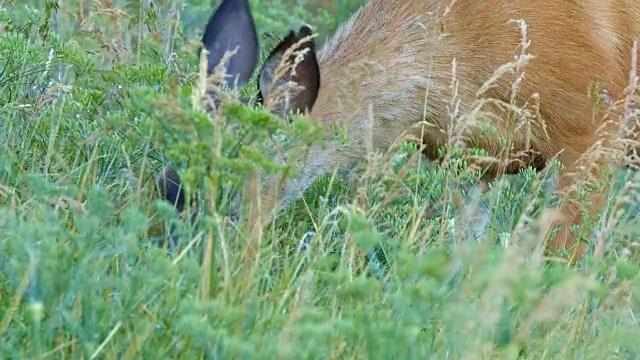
{"x": 405, "y": 260}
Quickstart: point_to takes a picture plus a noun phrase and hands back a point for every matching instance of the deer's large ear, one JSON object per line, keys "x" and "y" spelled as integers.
{"x": 305, "y": 74}
{"x": 231, "y": 28}
{"x": 171, "y": 189}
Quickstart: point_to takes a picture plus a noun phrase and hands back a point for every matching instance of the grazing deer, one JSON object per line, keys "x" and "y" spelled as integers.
{"x": 390, "y": 66}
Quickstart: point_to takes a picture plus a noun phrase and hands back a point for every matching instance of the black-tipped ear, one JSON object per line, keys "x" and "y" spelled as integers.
{"x": 170, "y": 188}
{"x": 305, "y": 74}
{"x": 231, "y": 27}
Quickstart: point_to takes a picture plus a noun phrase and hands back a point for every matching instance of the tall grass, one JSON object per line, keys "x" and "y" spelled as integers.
{"x": 405, "y": 260}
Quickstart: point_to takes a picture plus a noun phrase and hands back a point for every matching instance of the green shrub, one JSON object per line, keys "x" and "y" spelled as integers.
{"x": 408, "y": 261}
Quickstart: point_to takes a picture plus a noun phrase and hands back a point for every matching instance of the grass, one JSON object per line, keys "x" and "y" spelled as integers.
{"x": 97, "y": 96}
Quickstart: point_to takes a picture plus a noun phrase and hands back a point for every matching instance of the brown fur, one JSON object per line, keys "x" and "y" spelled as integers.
{"x": 391, "y": 53}
{"x": 387, "y": 73}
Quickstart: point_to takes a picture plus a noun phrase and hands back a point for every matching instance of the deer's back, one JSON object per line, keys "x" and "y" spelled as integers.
{"x": 391, "y": 52}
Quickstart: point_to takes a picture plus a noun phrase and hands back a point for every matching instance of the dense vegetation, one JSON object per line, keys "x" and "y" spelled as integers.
{"x": 405, "y": 260}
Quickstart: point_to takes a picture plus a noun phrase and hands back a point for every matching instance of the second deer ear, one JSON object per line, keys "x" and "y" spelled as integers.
{"x": 231, "y": 28}
{"x": 305, "y": 74}
{"x": 170, "y": 188}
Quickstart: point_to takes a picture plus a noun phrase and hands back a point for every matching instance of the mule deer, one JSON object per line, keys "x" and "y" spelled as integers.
{"x": 394, "y": 60}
